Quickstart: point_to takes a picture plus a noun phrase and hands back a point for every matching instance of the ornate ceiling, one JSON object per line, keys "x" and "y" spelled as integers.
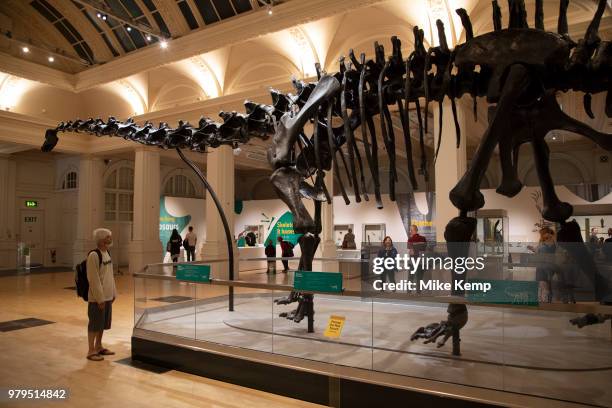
{"x": 217, "y": 64}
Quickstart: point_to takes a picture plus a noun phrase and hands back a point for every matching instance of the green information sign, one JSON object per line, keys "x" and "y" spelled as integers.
{"x": 193, "y": 273}
{"x": 506, "y": 292}
{"x": 31, "y": 204}
{"x": 318, "y": 281}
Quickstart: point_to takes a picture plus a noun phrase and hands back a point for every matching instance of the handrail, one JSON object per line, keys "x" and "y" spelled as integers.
{"x": 286, "y": 258}
{"x": 550, "y": 307}
{"x": 185, "y": 263}
{"x": 297, "y": 258}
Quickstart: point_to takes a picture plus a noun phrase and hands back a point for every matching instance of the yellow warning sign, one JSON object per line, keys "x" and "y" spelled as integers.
{"x": 334, "y": 326}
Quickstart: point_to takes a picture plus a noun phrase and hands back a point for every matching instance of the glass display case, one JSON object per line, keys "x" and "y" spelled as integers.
{"x": 23, "y": 256}
{"x": 373, "y": 234}
{"x": 594, "y": 227}
{"x": 492, "y": 231}
{"x": 252, "y": 236}
{"x": 340, "y": 231}
{"x": 513, "y": 344}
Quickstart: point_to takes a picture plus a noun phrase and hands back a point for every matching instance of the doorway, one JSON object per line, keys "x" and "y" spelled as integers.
{"x": 32, "y": 223}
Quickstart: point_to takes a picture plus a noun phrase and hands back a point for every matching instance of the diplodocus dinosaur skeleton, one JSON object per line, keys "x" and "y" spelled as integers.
{"x": 518, "y": 69}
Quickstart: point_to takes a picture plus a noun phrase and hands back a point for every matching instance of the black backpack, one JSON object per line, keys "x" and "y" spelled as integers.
{"x": 80, "y": 276}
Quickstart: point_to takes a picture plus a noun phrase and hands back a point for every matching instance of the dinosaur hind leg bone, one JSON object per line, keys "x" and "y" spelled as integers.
{"x": 465, "y": 195}
{"x": 286, "y": 182}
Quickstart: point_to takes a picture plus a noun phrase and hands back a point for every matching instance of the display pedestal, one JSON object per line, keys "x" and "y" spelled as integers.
{"x": 312, "y": 381}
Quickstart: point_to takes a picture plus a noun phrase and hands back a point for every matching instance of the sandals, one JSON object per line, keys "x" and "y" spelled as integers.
{"x": 106, "y": 352}
{"x": 95, "y": 357}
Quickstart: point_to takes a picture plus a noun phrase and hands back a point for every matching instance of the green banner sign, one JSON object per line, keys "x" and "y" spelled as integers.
{"x": 193, "y": 273}
{"x": 284, "y": 228}
{"x": 506, "y": 292}
{"x": 168, "y": 222}
{"x": 318, "y": 281}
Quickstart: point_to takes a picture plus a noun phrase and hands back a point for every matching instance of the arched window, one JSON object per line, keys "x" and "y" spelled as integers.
{"x": 70, "y": 181}
{"x": 179, "y": 185}
{"x": 119, "y": 195}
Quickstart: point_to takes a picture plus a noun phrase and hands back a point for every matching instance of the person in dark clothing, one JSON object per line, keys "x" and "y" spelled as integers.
{"x": 387, "y": 251}
{"x": 190, "y": 242}
{"x": 271, "y": 253}
{"x": 594, "y": 241}
{"x": 417, "y": 244}
{"x": 286, "y": 252}
{"x": 546, "y": 249}
{"x": 607, "y": 246}
{"x": 174, "y": 245}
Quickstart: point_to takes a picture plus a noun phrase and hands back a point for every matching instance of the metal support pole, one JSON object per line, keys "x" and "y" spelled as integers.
{"x": 228, "y": 234}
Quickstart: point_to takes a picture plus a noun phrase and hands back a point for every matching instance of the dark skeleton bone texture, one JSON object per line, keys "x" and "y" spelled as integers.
{"x": 518, "y": 69}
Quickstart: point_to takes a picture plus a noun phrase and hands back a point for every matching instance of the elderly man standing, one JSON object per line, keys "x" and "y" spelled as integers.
{"x": 102, "y": 293}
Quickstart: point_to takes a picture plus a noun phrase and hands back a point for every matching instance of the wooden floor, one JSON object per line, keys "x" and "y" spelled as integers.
{"x": 53, "y": 355}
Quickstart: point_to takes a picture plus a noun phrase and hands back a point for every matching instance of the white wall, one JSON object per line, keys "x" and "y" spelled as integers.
{"x": 192, "y": 207}
{"x": 38, "y": 179}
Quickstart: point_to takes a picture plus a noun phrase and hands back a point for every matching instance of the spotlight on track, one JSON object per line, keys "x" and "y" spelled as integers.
{"x": 98, "y": 15}
{"x": 128, "y": 28}
{"x": 50, "y": 59}
{"x": 25, "y": 50}
{"x": 104, "y": 17}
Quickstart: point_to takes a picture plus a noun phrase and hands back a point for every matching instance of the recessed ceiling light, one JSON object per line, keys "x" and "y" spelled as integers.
{"x": 148, "y": 37}
{"x": 25, "y": 50}
{"x": 163, "y": 44}
{"x": 99, "y": 15}
{"x": 128, "y": 28}
{"x": 51, "y": 59}
{"x": 104, "y": 18}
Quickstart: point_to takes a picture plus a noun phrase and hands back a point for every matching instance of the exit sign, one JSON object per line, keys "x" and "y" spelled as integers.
{"x": 31, "y": 203}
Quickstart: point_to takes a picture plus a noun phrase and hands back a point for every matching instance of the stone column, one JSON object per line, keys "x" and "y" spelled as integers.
{"x": 220, "y": 175}
{"x": 327, "y": 247}
{"x": 8, "y": 226}
{"x": 450, "y": 166}
{"x": 90, "y": 209}
{"x": 145, "y": 247}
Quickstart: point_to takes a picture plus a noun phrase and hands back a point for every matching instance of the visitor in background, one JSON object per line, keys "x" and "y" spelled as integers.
{"x": 607, "y": 246}
{"x": 388, "y": 251}
{"x": 174, "y": 245}
{"x": 417, "y": 244}
{"x": 286, "y": 252}
{"x": 101, "y": 295}
{"x": 594, "y": 241}
{"x": 349, "y": 240}
{"x": 546, "y": 268}
{"x": 271, "y": 253}
{"x": 192, "y": 239}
